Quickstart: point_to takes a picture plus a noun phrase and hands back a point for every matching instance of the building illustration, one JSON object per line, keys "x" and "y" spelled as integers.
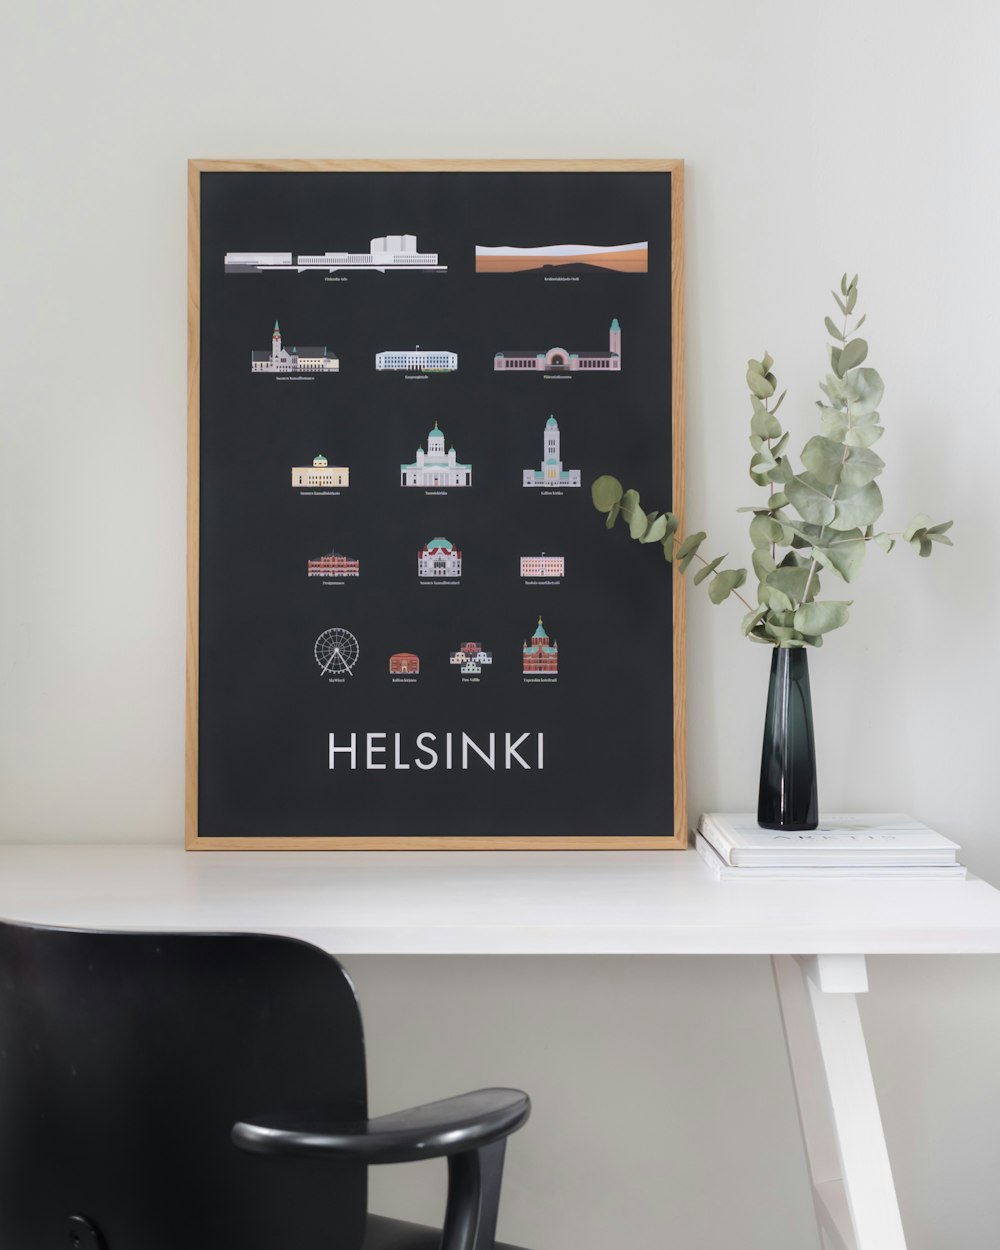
{"x": 624, "y": 257}
{"x": 543, "y": 566}
{"x": 404, "y": 662}
{"x": 472, "y": 657}
{"x": 293, "y": 360}
{"x": 388, "y": 253}
{"x": 417, "y": 360}
{"x": 540, "y": 656}
{"x": 552, "y": 473}
{"x": 333, "y": 564}
{"x": 559, "y": 360}
{"x": 435, "y": 466}
{"x": 439, "y": 558}
{"x": 320, "y": 473}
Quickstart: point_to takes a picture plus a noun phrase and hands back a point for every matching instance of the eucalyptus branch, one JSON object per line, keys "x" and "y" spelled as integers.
{"x": 824, "y": 515}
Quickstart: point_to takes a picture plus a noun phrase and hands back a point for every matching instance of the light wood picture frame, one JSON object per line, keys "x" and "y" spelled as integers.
{"x": 292, "y": 666}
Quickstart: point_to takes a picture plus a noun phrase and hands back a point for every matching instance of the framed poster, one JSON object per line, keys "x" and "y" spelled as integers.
{"x": 408, "y": 627}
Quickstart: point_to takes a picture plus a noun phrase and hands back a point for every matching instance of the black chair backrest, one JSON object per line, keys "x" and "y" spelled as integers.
{"x": 126, "y": 1058}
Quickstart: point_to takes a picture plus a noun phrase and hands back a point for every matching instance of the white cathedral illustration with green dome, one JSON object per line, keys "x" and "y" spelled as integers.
{"x": 435, "y": 466}
{"x": 552, "y": 473}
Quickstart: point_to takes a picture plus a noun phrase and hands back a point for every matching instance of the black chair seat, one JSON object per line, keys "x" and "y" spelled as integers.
{"x": 383, "y": 1233}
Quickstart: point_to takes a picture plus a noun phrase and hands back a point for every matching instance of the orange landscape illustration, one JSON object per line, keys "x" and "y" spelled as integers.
{"x": 623, "y": 257}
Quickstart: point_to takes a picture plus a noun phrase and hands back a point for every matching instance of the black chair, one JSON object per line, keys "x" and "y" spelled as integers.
{"x": 132, "y": 1066}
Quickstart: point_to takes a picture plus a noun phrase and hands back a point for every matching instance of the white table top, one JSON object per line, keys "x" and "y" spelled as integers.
{"x": 503, "y": 903}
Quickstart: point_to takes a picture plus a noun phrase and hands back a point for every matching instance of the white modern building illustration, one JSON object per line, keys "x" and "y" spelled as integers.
{"x": 321, "y": 473}
{"x": 435, "y": 466}
{"x": 551, "y": 473}
{"x": 293, "y": 360}
{"x": 543, "y": 566}
{"x": 389, "y": 252}
{"x": 418, "y": 360}
{"x": 439, "y": 558}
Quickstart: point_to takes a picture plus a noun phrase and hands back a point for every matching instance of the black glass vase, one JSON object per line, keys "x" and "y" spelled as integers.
{"x": 787, "y": 798}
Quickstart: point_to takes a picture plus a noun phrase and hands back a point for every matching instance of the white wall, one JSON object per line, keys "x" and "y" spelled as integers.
{"x": 818, "y": 138}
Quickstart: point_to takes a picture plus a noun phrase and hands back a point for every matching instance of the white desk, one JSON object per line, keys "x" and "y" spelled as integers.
{"x": 591, "y": 902}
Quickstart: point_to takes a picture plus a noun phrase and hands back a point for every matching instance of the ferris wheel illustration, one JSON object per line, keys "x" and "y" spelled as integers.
{"x": 336, "y": 651}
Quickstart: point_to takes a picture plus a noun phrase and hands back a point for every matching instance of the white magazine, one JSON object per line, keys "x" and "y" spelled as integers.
{"x": 861, "y": 839}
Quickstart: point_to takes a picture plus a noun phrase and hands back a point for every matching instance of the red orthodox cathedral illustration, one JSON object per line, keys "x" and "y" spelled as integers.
{"x": 540, "y": 656}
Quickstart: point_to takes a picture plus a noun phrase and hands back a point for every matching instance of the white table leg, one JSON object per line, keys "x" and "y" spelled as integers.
{"x": 852, "y": 1183}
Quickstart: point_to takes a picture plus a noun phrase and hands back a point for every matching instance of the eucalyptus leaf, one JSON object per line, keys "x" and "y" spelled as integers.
{"x": 920, "y": 522}
{"x": 724, "y": 583}
{"x": 845, "y": 553}
{"x": 759, "y": 385}
{"x": 763, "y": 562}
{"x": 708, "y": 570}
{"x": 862, "y": 508}
{"x": 764, "y": 424}
{"x": 853, "y": 354}
{"x": 657, "y": 530}
{"x": 606, "y": 492}
{"x": 832, "y": 330}
{"x": 821, "y": 617}
{"x": 835, "y": 361}
{"x": 783, "y": 633}
{"x": 834, "y": 422}
{"x": 809, "y": 501}
{"x": 885, "y": 541}
{"x": 866, "y": 391}
{"x": 778, "y": 402}
{"x": 792, "y": 582}
{"x": 764, "y": 531}
{"x": 752, "y": 618}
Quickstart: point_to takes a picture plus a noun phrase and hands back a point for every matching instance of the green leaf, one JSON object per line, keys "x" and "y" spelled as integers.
{"x": 843, "y": 285}
{"x": 824, "y": 459}
{"x": 820, "y": 618}
{"x": 759, "y": 385}
{"x": 612, "y": 517}
{"x": 782, "y": 472}
{"x": 776, "y": 600}
{"x": 833, "y": 422}
{"x": 852, "y": 299}
{"x": 834, "y": 464}
{"x": 668, "y": 548}
{"x": 767, "y": 362}
{"x": 763, "y": 562}
{"x": 832, "y": 330}
{"x": 688, "y": 549}
{"x": 840, "y": 303}
{"x": 763, "y": 424}
{"x": 885, "y": 541}
{"x": 753, "y": 618}
{"x": 835, "y": 361}
{"x": 853, "y": 354}
{"x": 845, "y": 554}
{"x": 606, "y": 492}
{"x": 864, "y": 433}
{"x": 862, "y": 508}
{"x": 723, "y": 584}
{"x": 792, "y": 582}
{"x": 867, "y": 389}
{"x": 920, "y": 522}
{"x": 778, "y": 500}
{"x": 756, "y": 366}
{"x": 861, "y": 322}
{"x": 778, "y": 402}
{"x": 708, "y": 570}
{"x": 809, "y": 501}
{"x": 656, "y": 531}
{"x": 783, "y": 633}
{"x": 764, "y": 531}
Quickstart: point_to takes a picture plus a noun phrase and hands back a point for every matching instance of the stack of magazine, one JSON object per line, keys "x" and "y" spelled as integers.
{"x": 735, "y": 847}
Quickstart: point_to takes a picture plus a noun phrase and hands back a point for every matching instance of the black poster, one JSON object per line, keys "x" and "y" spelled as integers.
{"x": 409, "y": 622}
